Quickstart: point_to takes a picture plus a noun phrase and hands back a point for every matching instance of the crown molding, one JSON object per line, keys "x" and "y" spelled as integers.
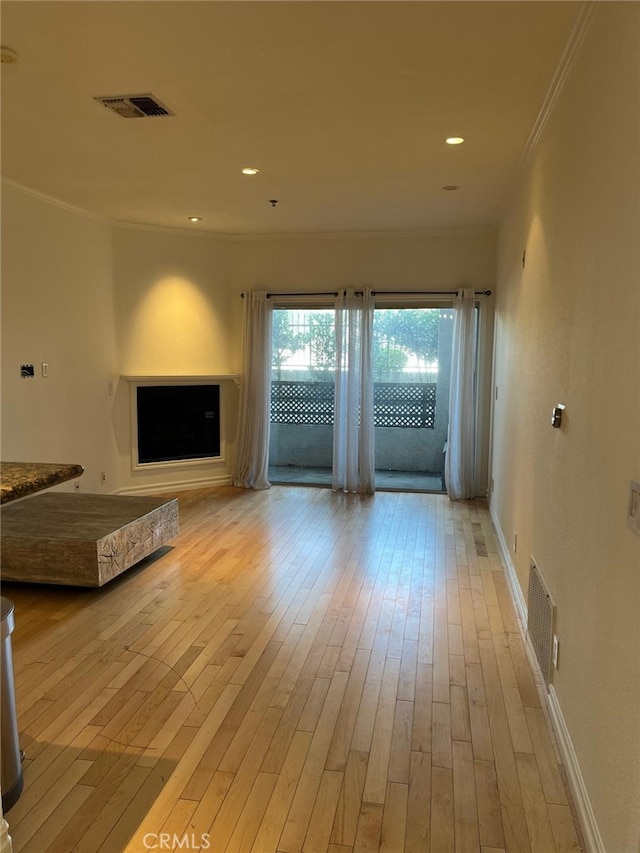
{"x": 480, "y": 231}
{"x": 122, "y": 225}
{"x": 56, "y": 202}
{"x": 560, "y": 77}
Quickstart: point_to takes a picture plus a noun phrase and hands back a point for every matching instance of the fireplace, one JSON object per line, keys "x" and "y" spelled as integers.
{"x": 177, "y": 421}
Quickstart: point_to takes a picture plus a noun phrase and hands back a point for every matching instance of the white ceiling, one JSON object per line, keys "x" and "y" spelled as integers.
{"x": 343, "y": 106}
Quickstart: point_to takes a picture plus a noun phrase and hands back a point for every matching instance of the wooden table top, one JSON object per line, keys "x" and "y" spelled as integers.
{"x": 19, "y": 479}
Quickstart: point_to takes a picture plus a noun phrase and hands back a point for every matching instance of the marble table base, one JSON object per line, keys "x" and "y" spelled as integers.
{"x": 82, "y": 539}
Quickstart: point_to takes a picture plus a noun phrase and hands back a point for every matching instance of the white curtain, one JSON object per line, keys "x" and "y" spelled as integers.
{"x": 353, "y": 451}
{"x": 461, "y": 443}
{"x": 252, "y": 459}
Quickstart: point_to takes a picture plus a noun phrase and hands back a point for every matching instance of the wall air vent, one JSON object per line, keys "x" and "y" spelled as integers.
{"x": 135, "y": 106}
{"x": 540, "y": 620}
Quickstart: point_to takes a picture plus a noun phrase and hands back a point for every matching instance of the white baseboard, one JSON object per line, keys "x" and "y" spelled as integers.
{"x": 510, "y": 571}
{"x": 585, "y": 814}
{"x": 588, "y": 824}
{"x": 176, "y": 486}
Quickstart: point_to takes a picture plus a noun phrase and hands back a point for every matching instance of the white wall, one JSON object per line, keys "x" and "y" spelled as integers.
{"x": 439, "y": 260}
{"x": 57, "y": 307}
{"x": 173, "y": 317}
{"x": 568, "y": 330}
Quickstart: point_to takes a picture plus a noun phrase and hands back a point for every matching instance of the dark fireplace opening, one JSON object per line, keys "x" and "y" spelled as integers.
{"x": 178, "y": 422}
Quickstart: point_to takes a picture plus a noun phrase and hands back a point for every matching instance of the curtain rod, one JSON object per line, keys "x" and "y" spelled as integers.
{"x": 308, "y": 293}
{"x": 424, "y": 292}
{"x": 380, "y": 293}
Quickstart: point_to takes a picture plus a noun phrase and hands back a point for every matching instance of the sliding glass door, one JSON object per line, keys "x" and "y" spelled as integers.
{"x": 411, "y": 366}
{"x": 302, "y": 396}
{"x": 411, "y": 355}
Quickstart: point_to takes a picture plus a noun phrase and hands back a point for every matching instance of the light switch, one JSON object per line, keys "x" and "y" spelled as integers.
{"x": 556, "y": 417}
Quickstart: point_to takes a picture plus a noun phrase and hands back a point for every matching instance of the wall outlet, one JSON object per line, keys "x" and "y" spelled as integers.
{"x": 110, "y": 387}
{"x": 555, "y": 652}
{"x": 103, "y": 477}
{"x": 45, "y": 369}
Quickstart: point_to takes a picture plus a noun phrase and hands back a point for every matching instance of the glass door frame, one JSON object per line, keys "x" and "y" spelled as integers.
{"x": 484, "y": 356}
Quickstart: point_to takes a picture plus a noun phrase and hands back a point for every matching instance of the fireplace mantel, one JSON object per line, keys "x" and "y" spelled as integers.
{"x": 219, "y": 377}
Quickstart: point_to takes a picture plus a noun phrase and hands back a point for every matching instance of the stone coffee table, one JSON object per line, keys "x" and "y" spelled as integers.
{"x": 82, "y": 539}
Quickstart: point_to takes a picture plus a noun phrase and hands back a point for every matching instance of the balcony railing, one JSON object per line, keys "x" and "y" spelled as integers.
{"x": 406, "y": 405}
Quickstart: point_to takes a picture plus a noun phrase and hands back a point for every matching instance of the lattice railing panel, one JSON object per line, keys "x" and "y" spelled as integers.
{"x": 409, "y": 405}
{"x": 302, "y": 402}
{"x": 405, "y": 406}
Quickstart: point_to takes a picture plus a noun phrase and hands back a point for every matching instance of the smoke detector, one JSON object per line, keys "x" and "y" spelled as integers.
{"x": 135, "y": 106}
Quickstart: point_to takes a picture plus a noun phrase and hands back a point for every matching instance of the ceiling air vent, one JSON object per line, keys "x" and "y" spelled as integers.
{"x": 135, "y": 106}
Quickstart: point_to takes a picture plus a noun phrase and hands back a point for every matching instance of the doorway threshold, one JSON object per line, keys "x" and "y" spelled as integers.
{"x": 386, "y": 481}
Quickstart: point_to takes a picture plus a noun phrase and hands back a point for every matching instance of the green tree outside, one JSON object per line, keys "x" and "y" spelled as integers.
{"x": 414, "y": 331}
{"x": 285, "y": 342}
{"x": 398, "y": 335}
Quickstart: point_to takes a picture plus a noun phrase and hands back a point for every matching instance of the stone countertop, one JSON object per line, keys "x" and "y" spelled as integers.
{"x": 19, "y": 479}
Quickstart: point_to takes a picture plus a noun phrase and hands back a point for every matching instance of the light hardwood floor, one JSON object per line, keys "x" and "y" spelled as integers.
{"x": 301, "y": 671}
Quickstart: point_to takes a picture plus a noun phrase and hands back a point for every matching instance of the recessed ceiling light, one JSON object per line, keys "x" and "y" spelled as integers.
{"x": 454, "y": 140}
{"x": 450, "y": 187}
{"x": 249, "y": 170}
{"x": 195, "y": 218}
